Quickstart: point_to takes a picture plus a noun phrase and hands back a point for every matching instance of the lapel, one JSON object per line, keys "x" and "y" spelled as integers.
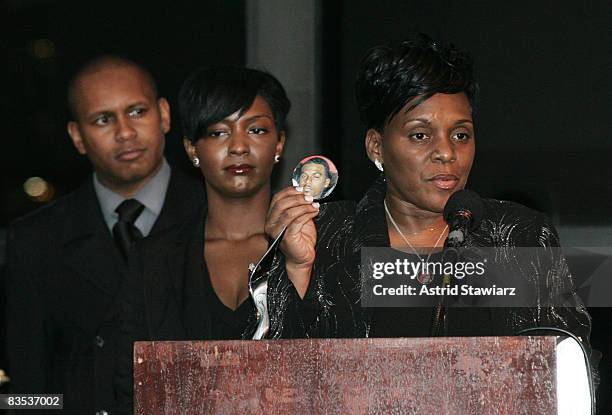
{"x": 370, "y": 219}
{"x": 196, "y": 313}
{"x": 183, "y": 266}
{"x": 183, "y": 199}
{"x": 87, "y": 245}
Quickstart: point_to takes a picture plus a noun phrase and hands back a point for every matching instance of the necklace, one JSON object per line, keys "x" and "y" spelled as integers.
{"x": 423, "y": 277}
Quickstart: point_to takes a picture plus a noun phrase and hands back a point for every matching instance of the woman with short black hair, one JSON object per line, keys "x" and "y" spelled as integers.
{"x": 192, "y": 283}
{"x": 417, "y": 99}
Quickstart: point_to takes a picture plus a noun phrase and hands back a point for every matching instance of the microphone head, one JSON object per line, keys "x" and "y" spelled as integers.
{"x": 462, "y": 202}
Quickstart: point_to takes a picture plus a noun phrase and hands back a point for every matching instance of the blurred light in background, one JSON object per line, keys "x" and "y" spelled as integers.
{"x": 3, "y": 378}
{"x": 38, "y": 189}
{"x": 42, "y": 49}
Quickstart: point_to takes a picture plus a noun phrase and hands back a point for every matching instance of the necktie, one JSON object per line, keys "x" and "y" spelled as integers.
{"x": 124, "y": 231}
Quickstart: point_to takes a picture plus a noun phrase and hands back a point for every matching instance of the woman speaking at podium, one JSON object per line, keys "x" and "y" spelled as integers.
{"x": 417, "y": 99}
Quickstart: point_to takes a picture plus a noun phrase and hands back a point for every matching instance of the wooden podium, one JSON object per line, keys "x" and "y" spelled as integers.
{"x": 450, "y": 375}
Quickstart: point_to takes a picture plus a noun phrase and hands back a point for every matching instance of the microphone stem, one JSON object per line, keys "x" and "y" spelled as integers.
{"x": 439, "y": 326}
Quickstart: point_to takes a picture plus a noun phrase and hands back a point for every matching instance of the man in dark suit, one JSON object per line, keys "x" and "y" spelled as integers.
{"x": 67, "y": 261}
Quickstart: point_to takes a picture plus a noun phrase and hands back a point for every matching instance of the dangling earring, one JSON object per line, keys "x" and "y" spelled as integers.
{"x": 276, "y": 158}
{"x": 378, "y": 165}
{"x": 196, "y": 162}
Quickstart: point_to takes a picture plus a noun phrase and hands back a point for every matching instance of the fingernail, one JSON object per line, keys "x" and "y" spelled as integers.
{"x": 316, "y": 205}
{"x": 299, "y": 189}
{"x": 308, "y": 198}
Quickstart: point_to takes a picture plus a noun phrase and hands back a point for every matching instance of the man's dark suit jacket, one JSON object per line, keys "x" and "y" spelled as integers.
{"x": 64, "y": 279}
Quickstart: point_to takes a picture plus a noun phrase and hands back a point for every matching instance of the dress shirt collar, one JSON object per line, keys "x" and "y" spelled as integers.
{"x": 152, "y": 196}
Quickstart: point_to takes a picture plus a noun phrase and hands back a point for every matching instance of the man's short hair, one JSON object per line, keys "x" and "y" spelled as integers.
{"x": 211, "y": 94}
{"x": 332, "y": 176}
{"x": 102, "y": 62}
{"x": 319, "y": 160}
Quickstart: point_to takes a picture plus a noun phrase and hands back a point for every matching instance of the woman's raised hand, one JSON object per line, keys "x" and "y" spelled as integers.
{"x": 292, "y": 209}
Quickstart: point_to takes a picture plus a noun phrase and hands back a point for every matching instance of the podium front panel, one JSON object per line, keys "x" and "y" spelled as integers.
{"x": 461, "y": 375}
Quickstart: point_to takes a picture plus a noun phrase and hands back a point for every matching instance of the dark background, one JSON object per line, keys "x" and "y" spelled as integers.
{"x": 543, "y": 122}
{"x": 170, "y": 38}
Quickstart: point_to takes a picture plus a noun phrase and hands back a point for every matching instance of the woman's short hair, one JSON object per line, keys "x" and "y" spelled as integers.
{"x": 211, "y": 94}
{"x": 394, "y": 74}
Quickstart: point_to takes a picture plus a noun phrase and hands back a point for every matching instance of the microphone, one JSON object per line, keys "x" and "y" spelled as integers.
{"x": 463, "y": 212}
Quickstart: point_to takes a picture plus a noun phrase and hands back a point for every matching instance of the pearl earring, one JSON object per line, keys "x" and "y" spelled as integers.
{"x": 276, "y": 158}
{"x": 378, "y": 165}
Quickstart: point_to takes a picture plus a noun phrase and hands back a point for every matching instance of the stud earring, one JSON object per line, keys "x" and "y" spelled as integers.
{"x": 196, "y": 162}
{"x": 379, "y": 165}
{"x": 276, "y": 158}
